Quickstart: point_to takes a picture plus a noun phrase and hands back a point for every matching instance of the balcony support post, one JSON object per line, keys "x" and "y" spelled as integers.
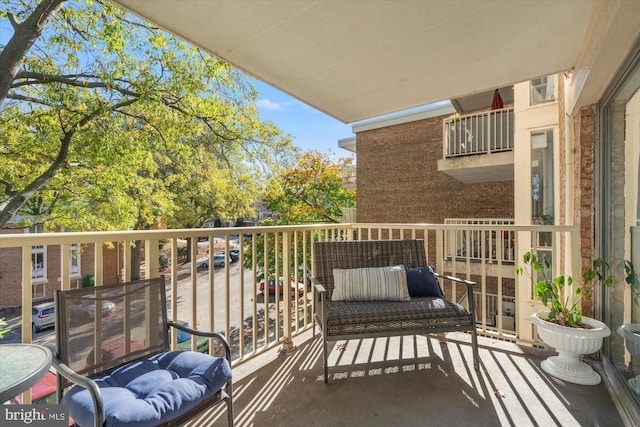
{"x": 287, "y": 342}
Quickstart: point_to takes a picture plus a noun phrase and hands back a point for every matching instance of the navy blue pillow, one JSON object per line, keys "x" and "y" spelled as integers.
{"x": 423, "y": 283}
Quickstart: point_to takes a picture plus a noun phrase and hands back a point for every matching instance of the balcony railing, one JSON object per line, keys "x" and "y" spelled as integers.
{"x": 481, "y": 133}
{"x": 477, "y": 245}
{"x": 348, "y": 176}
{"x": 228, "y": 299}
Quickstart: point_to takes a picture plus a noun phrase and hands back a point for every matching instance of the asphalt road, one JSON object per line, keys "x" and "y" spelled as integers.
{"x": 47, "y": 336}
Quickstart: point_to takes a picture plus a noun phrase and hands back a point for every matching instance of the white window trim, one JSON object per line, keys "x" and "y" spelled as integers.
{"x": 34, "y": 289}
{"x": 37, "y": 250}
{"x": 74, "y": 253}
{"x": 554, "y": 79}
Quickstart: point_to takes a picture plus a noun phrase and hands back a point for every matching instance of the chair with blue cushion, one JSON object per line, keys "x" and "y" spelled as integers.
{"x": 133, "y": 379}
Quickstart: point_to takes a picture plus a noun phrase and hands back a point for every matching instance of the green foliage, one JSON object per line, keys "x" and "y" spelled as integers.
{"x": 183, "y": 252}
{"x": 163, "y": 261}
{"x": 274, "y": 244}
{"x": 3, "y": 330}
{"x": 88, "y": 281}
{"x": 632, "y": 280}
{"x": 310, "y": 191}
{"x": 113, "y": 123}
{"x": 562, "y": 307}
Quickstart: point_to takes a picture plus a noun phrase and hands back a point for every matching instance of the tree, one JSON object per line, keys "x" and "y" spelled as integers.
{"x": 310, "y": 190}
{"x": 109, "y": 119}
{"x": 25, "y": 34}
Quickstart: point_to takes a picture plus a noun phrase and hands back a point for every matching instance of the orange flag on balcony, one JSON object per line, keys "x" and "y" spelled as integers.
{"x": 497, "y": 103}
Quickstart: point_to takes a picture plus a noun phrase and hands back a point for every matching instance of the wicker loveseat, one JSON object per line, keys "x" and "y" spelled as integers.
{"x": 349, "y": 319}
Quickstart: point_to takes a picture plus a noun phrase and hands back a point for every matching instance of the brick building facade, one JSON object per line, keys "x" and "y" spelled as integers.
{"x": 403, "y": 185}
{"x": 44, "y": 287}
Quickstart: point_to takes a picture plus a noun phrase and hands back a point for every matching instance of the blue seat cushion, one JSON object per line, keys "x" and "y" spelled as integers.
{"x": 151, "y": 391}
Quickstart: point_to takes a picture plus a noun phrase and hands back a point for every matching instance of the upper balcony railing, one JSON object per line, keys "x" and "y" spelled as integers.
{"x": 477, "y": 244}
{"x": 480, "y": 133}
{"x": 228, "y": 299}
{"x": 348, "y": 176}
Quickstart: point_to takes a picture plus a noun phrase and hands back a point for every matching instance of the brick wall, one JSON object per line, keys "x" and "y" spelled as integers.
{"x": 398, "y": 179}
{"x": 11, "y": 271}
{"x": 584, "y": 179}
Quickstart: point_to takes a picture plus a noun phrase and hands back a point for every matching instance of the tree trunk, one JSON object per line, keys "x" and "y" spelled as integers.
{"x": 135, "y": 260}
{"x": 24, "y": 36}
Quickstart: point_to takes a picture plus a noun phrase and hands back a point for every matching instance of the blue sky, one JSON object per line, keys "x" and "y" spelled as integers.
{"x": 309, "y": 128}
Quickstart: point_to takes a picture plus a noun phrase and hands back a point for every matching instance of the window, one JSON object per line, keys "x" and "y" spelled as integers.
{"x": 38, "y": 258}
{"x": 542, "y": 90}
{"x": 542, "y": 208}
{"x": 38, "y": 290}
{"x": 74, "y": 267}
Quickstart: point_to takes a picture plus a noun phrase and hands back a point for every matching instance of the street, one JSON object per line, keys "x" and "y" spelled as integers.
{"x": 47, "y": 336}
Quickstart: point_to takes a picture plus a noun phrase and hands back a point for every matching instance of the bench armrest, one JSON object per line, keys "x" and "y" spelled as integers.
{"x": 319, "y": 288}
{"x": 88, "y": 383}
{"x": 321, "y": 294}
{"x": 470, "y": 285}
{"x": 215, "y": 335}
{"x": 456, "y": 279}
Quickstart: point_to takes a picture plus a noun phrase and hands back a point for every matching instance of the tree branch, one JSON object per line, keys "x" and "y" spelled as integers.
{"x": 23, "y": 38}
{"x": 13, "y": 204}
{"x": 42, "y": 78}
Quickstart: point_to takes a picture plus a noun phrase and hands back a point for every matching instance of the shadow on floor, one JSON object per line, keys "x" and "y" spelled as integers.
{"x": 410, "y": 381}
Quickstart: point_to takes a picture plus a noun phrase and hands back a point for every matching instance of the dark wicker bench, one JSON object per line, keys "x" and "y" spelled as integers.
{"x": 343, "y": 320}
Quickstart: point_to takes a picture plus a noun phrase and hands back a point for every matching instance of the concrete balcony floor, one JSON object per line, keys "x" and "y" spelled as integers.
{"x": 410, "y": 381}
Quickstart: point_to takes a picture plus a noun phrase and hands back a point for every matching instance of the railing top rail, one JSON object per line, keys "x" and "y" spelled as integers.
{"x": 25, "y": 239}
{"x": 487, "y": 227}
{"x": 22, "y": 239}
{"x": 478, "y": 113}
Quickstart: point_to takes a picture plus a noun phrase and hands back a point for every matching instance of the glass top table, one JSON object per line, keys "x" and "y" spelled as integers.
{"x": 21, "y": 366}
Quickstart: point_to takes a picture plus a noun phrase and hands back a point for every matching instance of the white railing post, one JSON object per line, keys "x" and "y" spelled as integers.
{"x": 287, "y": 343}
{"x": 27, "y": 295}
{"x": 65, "y": 267}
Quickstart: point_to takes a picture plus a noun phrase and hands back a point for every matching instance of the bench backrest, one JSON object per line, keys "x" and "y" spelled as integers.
{"x": 126, "y": 321}
{"x": 364, "y": 253}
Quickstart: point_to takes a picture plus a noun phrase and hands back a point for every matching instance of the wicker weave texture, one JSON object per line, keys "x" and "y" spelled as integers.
{"x": 419, "y": 314}
{"x": 365, "y": 253}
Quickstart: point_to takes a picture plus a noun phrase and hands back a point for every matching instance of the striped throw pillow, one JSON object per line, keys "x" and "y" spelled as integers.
{"x": 368, "y": 284}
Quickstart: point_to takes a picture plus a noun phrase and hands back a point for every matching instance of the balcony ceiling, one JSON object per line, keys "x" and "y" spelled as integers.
{"x": 356, "y": 60}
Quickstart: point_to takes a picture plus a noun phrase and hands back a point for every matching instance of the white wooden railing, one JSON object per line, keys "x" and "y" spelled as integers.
{"x": 254, "y": 324}
{"x": 477, "y": 244}
{"x": 348, "y": 173}
{"x": 480, "y": 133}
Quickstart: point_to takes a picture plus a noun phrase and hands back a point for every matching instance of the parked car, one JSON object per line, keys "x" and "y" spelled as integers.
{"x": 184, "y": 339}
{"x": 42, "y": 316}
{"x": 42, "y": 393}
{"x": 234, "y": 254}
{"x": 86, "y": 307}
{"x": 218, "y": 261}
{"x": 272, "y": 287}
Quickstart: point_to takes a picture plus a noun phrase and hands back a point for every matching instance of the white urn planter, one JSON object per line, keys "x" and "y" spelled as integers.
{"x": 571, "y": 344}
{"x": 631, "y": 334}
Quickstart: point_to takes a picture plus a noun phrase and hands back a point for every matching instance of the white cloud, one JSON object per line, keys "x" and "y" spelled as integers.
{"x": 266, "y": 104}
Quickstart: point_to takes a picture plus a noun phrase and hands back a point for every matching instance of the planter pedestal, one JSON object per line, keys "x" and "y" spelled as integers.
{"x": 571, "y": 344}
{"x": 630, "y": 332}
{"x": 569, "y": 367}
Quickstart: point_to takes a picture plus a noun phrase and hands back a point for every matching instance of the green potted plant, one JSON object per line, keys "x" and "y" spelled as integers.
{"x": 563, "y": 326}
